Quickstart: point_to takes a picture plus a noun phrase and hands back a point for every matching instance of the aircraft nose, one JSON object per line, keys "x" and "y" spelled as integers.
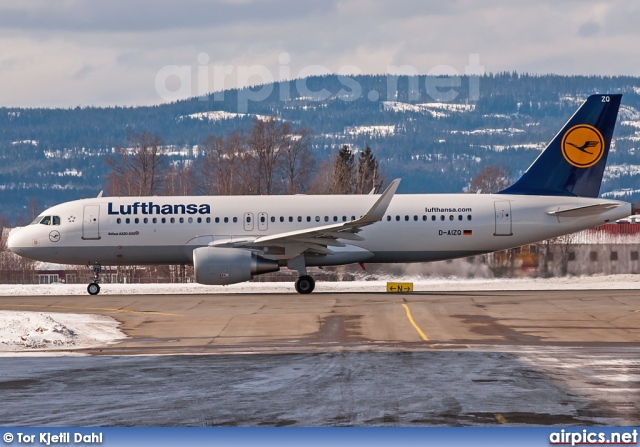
{"x": 15, "y": 240}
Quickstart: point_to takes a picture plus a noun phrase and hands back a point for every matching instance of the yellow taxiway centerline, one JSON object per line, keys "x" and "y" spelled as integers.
{"x": 413, "y": 323}
{"x": 111, "y": 309}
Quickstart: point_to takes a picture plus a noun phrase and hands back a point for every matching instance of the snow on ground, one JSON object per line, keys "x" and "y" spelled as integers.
{"x": 421, "y": 284}
{"x": 38, "y": 331}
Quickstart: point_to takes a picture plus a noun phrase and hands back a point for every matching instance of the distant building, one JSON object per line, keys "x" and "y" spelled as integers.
{"x": 607, "y": 249}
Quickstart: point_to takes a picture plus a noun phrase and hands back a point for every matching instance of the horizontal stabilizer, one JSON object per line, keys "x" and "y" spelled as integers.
{"x": 582, "y": 211}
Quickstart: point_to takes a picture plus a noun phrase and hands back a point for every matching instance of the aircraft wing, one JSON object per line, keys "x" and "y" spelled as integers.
{"x": 318, "y": 239}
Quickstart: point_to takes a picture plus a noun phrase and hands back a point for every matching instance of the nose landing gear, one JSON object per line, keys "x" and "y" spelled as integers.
{"x": 94, "y": 288}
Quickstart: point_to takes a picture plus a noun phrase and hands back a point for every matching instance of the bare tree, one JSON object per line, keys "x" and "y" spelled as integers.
{"x": 490, "y": 179}
{"x": 178, "y": 180}
{"x": 266, "y": 140}
{"x": 137, "y": 171}
{"x": 297, "y": 161}
{"x": 227, "y": 167}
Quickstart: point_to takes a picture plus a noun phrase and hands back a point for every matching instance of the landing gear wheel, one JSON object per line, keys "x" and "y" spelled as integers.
{"x": 305, "y": 284}
{"x": 93, "y": 288}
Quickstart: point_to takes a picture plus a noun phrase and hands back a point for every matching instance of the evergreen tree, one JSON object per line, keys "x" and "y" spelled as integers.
{"x": 343, "y": 175}
{"x": 368, "y": 174}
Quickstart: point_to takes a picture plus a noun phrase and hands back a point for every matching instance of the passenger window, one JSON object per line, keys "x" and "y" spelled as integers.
{"x": 424, "y": 217}
{"x": 261, "y": 219}
{"x": 469, "y": 217}
{"x": 290, "y": 218}
{"x": 136, "y": 220}
{"x": 273, "y": 219}
{"x": 460, "y": 217}
{"x": 164, "y": 220}
{"x": 344, "y": 218}
{"x": 335, "y": 218}
{"x": 406, "y": 218}
{"x": 182, "y": 220}
{"x": 155, "y": 220}
{"x": 118, "y": 220}
{"x": 235, "y": 220}
{"x": 299, "y": 218}
{"x": 173, "y": 220}
{"x": 226, "y": 220}
{"x": 388, "y": 218}
{"x": 397, "y": 218}
{"x": 281, "y": 218}
{"x": 209, "y": 220}
{"x": 248, "y": 219}
{"x": 442, "y": 217}
{"x": 326, "y": 218}
{"x": 451, "y": 217}
{"x": 127, "y": 221}
{"x": 199, "y": 219}
{"x": 308, "y": 218}
{"x": 433, "y": 218}
{"x": 415, "y": 218}
{"x": 317, "y": 218}
{"x": 191, "y": 220}
{"x": 353, "y": 217}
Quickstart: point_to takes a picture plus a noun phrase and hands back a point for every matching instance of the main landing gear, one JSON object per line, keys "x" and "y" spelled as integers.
{"x": 305, "y": 284}
{"x": 94, "y": 288}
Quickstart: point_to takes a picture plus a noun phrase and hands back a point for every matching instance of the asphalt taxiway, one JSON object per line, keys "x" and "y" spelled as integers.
{"x": 441, "y": 358}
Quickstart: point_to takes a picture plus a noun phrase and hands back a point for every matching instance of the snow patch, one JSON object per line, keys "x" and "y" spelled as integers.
{"x": 629, "y": 113}
{"x": 373, "y": 131}
{"x": 221, "y": 115}
{"x": 617, "y": 171}
{"x": 27, "y": 331}
{"x": 435, "y": 109}
{"x": 31, "y": 142}
{"x": 510, "y": 131}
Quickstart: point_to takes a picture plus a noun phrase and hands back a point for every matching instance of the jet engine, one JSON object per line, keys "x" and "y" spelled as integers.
{"x": 221, "y": 266}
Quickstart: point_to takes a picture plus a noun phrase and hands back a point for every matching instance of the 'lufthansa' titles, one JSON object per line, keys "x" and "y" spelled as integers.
{"x": 153, "y": 208}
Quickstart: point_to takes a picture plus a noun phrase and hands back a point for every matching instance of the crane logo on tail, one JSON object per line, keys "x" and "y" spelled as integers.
{"x": 582, "y": 146}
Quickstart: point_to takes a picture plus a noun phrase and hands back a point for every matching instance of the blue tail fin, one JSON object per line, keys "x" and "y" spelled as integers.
{"x": 573, "y": 163}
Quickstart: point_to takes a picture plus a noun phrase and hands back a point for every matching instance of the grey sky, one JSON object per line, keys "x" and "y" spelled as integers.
{"x": 64, "y": 53}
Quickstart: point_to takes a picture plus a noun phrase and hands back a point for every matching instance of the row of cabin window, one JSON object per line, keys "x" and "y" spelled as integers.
{"x": 273, "y": 219}
{"x": 433, "y": 217}
{"x": 145, "y": 220}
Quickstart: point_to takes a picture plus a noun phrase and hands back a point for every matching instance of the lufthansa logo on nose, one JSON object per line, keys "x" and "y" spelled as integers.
{"x": 54, "y": 236}
{"x": 582, "y": 146}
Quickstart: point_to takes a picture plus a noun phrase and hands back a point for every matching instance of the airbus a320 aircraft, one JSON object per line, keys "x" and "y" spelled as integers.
{"x": 232, "y": 239}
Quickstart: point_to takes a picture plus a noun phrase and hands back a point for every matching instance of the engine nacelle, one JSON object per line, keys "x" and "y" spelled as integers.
{"x": 221, "y": 266}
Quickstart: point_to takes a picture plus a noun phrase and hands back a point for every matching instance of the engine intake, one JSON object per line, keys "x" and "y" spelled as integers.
{"x": 221, "y": 266}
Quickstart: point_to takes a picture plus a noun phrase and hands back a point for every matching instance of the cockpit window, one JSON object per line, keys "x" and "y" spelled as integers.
{"x": 48, "y": 220}
{"x": 36, "y": 220}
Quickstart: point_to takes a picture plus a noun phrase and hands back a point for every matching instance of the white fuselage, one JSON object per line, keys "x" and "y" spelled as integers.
{"x": 415, "y": 227}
